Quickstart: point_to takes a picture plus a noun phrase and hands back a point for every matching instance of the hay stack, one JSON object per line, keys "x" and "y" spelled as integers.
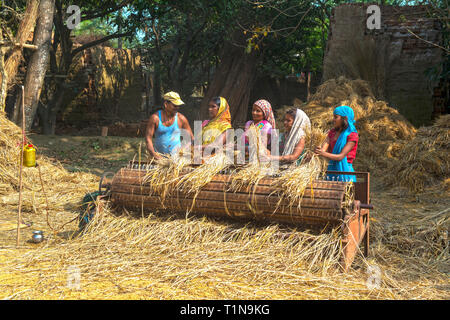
{"x": 61, "y": 187}
{"x": 424, "y": 161}
{"x": 382, "y": 129}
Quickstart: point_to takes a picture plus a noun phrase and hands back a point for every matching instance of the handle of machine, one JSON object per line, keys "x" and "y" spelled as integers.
{"x": 106, "y": 186}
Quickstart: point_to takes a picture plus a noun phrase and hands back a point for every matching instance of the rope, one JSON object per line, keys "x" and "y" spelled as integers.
{"x": 47, "y": 206}
{"x": 45, "y": 196}
{"x": 225, "y": 199}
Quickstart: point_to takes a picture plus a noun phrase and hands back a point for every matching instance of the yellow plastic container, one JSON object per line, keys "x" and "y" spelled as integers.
{"x": 29, "y": 156}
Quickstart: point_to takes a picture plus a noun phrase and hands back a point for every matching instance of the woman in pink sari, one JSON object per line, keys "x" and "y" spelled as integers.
{"x": 264, "y": 120}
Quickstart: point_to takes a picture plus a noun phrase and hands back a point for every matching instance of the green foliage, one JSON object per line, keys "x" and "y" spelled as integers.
{"x": 291, "y": 34}
{"x": 94, "y": 27}
{"x": 182, "y": 39}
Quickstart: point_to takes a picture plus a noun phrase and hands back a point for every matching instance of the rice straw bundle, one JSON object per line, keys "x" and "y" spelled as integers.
{"x": 291, "y": 185}
{"x": 257, "y": 146}
{"x": 250, "y": 175}
{"x": 163, "y": 174}
{"x": 315, "y": 137}
{"x": 193, "y": 181}
{"x": 259, "y": 165}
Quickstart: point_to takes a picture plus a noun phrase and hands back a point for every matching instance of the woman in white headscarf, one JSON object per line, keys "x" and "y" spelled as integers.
{"x": 292, "y": 142}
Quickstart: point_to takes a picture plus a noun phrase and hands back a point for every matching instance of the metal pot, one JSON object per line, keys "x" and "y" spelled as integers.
{"x": 37, "y": 237}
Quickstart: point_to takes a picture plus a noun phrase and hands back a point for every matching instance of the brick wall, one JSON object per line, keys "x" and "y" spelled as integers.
{"x": 397, "y": 67}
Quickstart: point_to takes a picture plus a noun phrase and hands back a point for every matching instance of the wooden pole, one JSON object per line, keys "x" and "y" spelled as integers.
{"x": 19, "y": 214}
{"x": 13, "y": 44}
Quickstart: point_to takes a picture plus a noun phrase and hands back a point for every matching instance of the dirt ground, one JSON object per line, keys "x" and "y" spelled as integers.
{"x": 89, "y": 154}
{"x": 97, "y": 155}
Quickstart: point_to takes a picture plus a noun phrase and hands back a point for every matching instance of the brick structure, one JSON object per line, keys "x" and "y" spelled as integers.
{"x": 403, "y": 50}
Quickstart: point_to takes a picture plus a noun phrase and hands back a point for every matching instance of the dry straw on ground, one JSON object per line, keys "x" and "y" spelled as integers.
{"x": 124, "y": 255}
{"x": 424, "y": 161}
{"x": 61, "y": 187}
{"x": 164, "y": 258}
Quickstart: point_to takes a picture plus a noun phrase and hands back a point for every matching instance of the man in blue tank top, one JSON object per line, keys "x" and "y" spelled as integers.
{"x": 164, "y": 127}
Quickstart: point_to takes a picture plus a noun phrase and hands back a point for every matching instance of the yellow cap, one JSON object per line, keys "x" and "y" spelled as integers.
{"x": 174, "y": 98}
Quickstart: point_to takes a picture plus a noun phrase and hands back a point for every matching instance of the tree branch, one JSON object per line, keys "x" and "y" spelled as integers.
{"x": 93, "y": 14}
{"x": 99, "y": 41}
{"x": 12, "y": 44}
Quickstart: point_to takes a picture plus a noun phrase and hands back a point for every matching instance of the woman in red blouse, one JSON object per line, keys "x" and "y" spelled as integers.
{"x": 341, "y": 144}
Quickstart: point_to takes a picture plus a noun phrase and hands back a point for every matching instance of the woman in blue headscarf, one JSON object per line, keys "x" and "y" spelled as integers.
{"x": 341, "y": 144}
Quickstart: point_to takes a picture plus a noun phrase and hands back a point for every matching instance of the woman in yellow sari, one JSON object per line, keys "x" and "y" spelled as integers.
{"x": 214, "y": 130}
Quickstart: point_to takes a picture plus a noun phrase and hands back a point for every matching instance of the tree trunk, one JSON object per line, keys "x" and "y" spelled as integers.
{"x": 48, "y": 113}
{"x": 3, "y": 76}
{"x": 148, "y": 88}
{"x": 157, "y": 99}
{"x": 17, "y": 106}
{"x": 62, "y": 37}
{"x": 181, "y": 70}
{"x": 119, "y": 29}
{"x": 25, "y": 28}
{"x": 233, "y": 80}
{"x": 39, "y": 60}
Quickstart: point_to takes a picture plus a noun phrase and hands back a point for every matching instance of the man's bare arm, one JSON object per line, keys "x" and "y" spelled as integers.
{"x": 152, "y": 125}
{"x": 185, "y": 125}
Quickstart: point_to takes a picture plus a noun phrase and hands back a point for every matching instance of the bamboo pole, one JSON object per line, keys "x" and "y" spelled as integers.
{"x": 19, "y": 214}
{"x": 3, "y": 77}
{"x": 15, "y": 44}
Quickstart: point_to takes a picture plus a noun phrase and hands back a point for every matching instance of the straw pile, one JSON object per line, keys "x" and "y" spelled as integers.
{"x": 171, "y": 258}
{"x": 61, "y": 187}
{"x": 314, "y": 137}
{"x": 382, "y": 130}
{"x": 424, "y": 161}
